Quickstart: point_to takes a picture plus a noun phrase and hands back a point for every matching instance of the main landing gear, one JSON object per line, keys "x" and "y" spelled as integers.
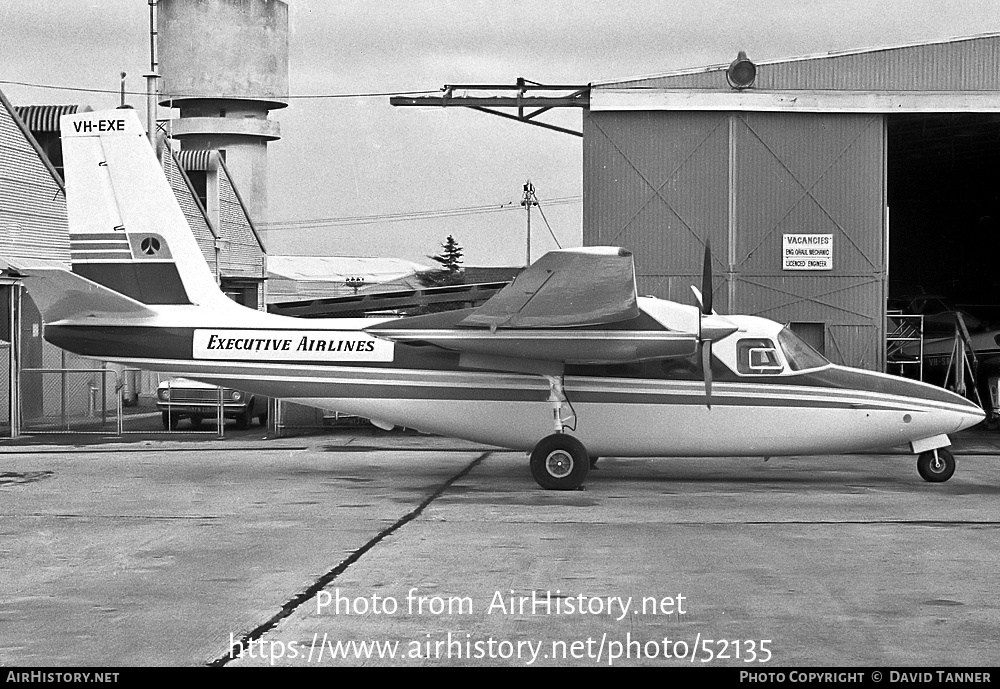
{"x": 560, "y": 461}
{"x": 936, "y": 466}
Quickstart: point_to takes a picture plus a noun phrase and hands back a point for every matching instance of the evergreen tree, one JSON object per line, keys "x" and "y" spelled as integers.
{"x": 450, "y": 272}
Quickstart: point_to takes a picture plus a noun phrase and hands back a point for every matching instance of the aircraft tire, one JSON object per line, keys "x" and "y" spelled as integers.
{"x": 936, "y": 472}
{"x": 560, "y": 462}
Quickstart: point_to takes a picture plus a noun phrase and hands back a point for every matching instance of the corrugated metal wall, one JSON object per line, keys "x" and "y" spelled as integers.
{"x": 243, "y": 256}
{"x": 32, "y": 206}
{"x": 660, "y": 183}
{"x": 657, "y": 183}
{"x": 193, "y": 211}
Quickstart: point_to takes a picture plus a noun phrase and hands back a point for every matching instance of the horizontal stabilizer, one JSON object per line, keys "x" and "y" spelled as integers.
{"x": 566, "y": 288}
{"x": 59, "y": 293}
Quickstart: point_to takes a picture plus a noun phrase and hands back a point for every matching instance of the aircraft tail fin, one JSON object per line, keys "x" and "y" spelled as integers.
{"x": 127, "y": 230}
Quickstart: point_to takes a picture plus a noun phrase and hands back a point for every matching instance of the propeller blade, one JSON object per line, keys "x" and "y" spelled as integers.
{"x": 706, "y": 366}
{"x": 706, "y": 280}
{"x": 697, "y": 296}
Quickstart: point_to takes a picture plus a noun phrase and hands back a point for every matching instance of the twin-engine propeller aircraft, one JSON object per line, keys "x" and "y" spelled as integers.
{"x": 566, "y": 362}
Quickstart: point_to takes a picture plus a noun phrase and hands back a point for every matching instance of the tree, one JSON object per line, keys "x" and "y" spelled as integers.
{"x": 450, "y": 272}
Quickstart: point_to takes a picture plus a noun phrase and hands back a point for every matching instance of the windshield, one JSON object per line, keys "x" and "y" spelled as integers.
{"x": 799, "y": 355}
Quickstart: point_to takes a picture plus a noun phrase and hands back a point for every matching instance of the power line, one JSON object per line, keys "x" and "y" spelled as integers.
{"x": 345, "y": 221}
{"x": 178, "y": 96}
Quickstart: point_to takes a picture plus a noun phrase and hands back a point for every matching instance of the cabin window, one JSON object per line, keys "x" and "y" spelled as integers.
{"x": 757, "y": 357}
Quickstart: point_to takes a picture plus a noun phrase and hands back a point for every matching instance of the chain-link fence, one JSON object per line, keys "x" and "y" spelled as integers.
{"x": 106, "y": 401}
{"x": 71, "y": 400}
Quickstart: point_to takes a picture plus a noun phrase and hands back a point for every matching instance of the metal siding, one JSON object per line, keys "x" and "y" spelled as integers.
{"x": 957, "y": 65}
{"x": 242, "y": 256}
{"x": 653, "y": 184}
{"x": 33, "y": 222}
{"x": 192, "y": 210}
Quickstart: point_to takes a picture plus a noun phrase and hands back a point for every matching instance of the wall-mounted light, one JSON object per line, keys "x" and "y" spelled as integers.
{"x": 741, "y": 72}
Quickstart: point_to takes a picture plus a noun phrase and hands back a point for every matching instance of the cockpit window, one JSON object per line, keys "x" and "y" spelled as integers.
{"x": 800, "y": 356}
{"x": 757, "y": 357}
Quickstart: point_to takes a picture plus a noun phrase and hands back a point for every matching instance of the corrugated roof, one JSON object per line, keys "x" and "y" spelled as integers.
{"x": 45, "y": 118}
{"x": 338, "y": 268}
{"x": 957, "y": 64}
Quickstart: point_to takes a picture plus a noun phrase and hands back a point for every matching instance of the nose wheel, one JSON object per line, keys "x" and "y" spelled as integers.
{"x": 560, "y": 462}
{"x": 936, "y": 466}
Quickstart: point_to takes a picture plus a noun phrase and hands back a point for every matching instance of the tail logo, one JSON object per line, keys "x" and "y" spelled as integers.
{"x": 150, "y": 246}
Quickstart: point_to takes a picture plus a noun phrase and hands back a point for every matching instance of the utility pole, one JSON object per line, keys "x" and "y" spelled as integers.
{"x": 529, "y": 200}
{"x": 153, "y": 75}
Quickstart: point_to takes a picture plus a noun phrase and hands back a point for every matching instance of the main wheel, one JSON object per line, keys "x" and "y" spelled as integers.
{"x": 560, "y": 462}
{"x": 936, "y": 469}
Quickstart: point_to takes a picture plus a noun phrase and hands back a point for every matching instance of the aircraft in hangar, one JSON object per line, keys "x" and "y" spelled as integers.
{"x": 567, "y": 362}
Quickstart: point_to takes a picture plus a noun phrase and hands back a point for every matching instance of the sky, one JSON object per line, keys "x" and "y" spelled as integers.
{"x": 359, "y": 157}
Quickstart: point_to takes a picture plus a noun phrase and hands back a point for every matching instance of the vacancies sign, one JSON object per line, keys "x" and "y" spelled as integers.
{"x": 290, "y": 345}
{"x": 807, "y": 252}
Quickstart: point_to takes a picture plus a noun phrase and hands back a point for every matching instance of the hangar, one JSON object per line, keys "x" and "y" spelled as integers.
{"x": 881, "y": 160}
{"x": 888, "y": 154}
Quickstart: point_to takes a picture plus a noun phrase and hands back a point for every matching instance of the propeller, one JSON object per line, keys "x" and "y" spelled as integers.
{"x": 711, "y": 326}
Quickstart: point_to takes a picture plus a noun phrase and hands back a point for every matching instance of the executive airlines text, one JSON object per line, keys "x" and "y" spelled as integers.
{"x": 290, "y": 345}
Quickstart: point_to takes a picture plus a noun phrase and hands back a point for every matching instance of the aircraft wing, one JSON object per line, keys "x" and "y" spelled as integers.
{"x": 574, "y": 306}
{"x": 566, "y": 288}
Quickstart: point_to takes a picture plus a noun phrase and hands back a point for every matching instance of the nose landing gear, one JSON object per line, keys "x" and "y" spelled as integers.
{"x": 936, "y": 466}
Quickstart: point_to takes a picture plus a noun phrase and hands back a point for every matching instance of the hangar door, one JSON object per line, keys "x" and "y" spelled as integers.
{"x": 660, "y": 183}
{"x": 813, "y": 175}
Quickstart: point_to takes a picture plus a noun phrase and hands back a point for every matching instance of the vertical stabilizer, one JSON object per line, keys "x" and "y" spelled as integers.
{"x": 127, "y": 231}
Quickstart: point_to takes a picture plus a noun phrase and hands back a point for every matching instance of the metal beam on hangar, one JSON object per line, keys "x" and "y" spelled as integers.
{"x": 530, "y": 100}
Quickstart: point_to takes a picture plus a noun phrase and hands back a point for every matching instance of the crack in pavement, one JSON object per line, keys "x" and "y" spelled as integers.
{"x": 237, "y": 649}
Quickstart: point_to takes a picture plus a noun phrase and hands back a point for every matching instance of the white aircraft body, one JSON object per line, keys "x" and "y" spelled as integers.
{"x": 566, "y": 362}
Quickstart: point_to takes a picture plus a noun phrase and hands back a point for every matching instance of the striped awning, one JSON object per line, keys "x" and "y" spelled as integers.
{"x": 196, "y": 160}
{"x": 45, "y": 118}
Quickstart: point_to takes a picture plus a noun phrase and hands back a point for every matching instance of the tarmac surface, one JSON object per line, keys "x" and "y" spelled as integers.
{"x": 363, "y": 548}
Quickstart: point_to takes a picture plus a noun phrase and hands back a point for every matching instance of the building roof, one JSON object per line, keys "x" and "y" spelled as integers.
{"x": 339, "y": 268}
{"x": 954, "y": 75}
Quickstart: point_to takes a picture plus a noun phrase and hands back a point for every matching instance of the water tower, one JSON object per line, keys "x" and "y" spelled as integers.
{"x": 224, "y": 65}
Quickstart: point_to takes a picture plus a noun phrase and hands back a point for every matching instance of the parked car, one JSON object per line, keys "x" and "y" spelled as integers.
{"x": 181, "y": 398}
